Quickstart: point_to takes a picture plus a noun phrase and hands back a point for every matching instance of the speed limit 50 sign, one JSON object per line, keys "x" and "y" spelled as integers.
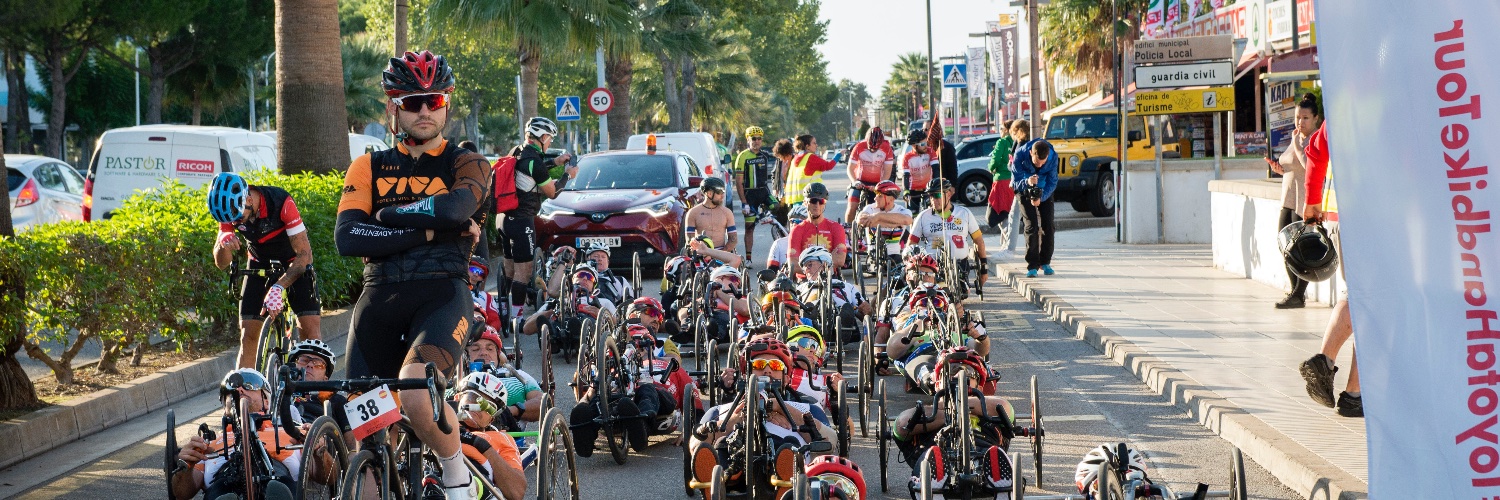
{"x": 601, "y": 101}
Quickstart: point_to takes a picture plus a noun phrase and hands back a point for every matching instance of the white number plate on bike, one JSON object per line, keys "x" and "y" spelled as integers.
{"x": 609, "y": 241}
{"x": 372, "y": 411}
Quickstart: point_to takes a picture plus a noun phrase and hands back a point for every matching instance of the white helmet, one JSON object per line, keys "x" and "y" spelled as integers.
{"x": 314, "y": 347}
{"x": 723, "y": 271}
{"x": 595, "y": 247}
{"x": 487, "y": 385}
{"x": 798, "y": 212}
{"x": 1087, "y": 473}
{"x": 540, "y": 126}
{"x": 816, "y": 252}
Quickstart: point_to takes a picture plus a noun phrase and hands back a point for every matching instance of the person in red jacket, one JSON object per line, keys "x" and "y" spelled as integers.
{"x": 1318, "y": 370}
{"x": 870, "y": 162}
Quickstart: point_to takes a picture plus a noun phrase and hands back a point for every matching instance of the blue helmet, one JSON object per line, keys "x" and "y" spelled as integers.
{"x": 226, "y": 197}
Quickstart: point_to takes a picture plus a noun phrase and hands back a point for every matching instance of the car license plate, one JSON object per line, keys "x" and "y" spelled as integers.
{"x": 609, "y": 241}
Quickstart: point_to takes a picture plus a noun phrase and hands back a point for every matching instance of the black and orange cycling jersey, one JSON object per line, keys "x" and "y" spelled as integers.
{"x": 389, "y": 200}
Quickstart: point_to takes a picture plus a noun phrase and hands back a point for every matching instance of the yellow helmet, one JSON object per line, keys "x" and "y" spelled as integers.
{"x": 669, "y": 348}
{"x": 754, "y": 131}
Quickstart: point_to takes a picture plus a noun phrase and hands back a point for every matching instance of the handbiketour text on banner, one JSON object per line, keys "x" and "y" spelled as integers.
{"x": 1413, "y": 117}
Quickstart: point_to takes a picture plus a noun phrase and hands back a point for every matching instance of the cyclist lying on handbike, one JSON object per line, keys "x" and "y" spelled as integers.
{"x": 991, "y": 418}
{"x": 206, "y": 464}
{"x": 479, "y": 401}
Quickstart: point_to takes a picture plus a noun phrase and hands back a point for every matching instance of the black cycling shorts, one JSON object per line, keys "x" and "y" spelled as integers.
{"x": 757, "y": 199}
{"x": 302, "y": 296}
{"x": 855, "y": 195}
{"x": 518, "y": 238}
{"x": 397, "y": 324}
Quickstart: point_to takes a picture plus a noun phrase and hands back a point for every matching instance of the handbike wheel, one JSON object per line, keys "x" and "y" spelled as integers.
{"x": 862, "y": 387}
{"x": 363, "y": 469}
{"x": 712, "y": 379}
{"x": 324, "y": 457}
{"x": 243, "y": 440}
{"x": 169, "y": 462}
{"x": 881, "y": 434}
{"x": 1110, "y": 487}
{"x": 555, "y": 465}
{"x": 845, "y": 420}
{"x": 1238, "y": 490}
{"x": 515, "y": 343}
{"x": 838, "y": 335}
{"x": 1018, "y": 481}
{"x": 924, "y": 476}
{"x": 635, "y": 271}
{"x": 716, "y": 490}
{"x": 1038, "y": 432}
{"x": 685, "y": 434}
{"x": 549, "y": 382}
{"x": 604, "y": 352}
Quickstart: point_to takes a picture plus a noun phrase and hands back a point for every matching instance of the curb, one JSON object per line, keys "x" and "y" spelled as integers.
{"x": 1298, "y": 468}
{"x": 48, "y": 428}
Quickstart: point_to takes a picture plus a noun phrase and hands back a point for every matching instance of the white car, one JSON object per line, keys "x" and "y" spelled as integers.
{"x": 359, "y": 144}
{"x": 133, "y": 159}
{"x": 42, "y": 190}
{"x": 700, "y": 146}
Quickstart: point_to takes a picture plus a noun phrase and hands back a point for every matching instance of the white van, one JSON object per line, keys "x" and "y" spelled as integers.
{"x": 131, "y": 159}
{"x": 359, "y": 144}
{"x": 699, "y": 145}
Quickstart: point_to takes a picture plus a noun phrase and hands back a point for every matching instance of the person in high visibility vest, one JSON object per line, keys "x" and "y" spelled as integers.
{"x": 807, "y": 167}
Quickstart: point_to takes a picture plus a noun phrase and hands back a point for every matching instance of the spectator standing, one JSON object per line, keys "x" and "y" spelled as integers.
{"x": 1034, "y": 175}
{"x": 1001, "y": 194}
{"x": 1292, "y": 166}
{"x": 1318, "y": 371}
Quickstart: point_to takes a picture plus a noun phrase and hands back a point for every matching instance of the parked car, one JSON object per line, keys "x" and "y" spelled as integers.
{"x": 973, "y": 185}
{"x": 359, "y": 144}
{"x": 632, "y": 201}
{"x": 42, "y": 190}
{"x": 1087, "y": 144}
{"x": 131, "y": 159}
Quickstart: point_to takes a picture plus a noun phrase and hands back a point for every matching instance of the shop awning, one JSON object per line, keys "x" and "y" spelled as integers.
{"x": 1290, "y": 76}
{"x": 1248, "y": 62}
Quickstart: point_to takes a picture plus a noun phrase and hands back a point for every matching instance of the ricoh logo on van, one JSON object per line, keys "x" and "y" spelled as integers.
{"x": 195, "y": 166}
{"x": 135, "y": 163}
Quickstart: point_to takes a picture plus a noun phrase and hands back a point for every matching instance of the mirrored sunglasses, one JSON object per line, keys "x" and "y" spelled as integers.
{"x": 761, "y": 364}
{"x": 413, "y": 103}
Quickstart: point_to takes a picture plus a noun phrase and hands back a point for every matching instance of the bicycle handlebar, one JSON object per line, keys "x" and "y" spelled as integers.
{"x": 431, "y": 382}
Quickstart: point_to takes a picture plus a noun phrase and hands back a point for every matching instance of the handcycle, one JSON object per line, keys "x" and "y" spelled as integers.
{"x": 611, "y": 376}
{"x": 1117, "y": 482}
{"x": 246, "y": 455}
{"x": 748, "y": 450}
{"x": 279, "y": 329}
{"x": 956, "y": 447}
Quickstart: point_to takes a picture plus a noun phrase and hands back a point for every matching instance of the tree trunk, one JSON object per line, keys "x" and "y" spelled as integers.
{"x": 197, "y": 107}
{"x": 689, "y": 91}
{"x": 531, "y": 68}
{"x": 310, "y": 116}
{"x": 57, "y": 119}
{"x": 108, "y": 355}
{"x": 18, "y": 109}
{"x": 669, "y": 74}
{"x": 156, "y": 85}
{"x": 473, "y": 119}
{"x": 16, "y": 390}
{"x": 401, "y": 6}
{"x": 619, "y": 70}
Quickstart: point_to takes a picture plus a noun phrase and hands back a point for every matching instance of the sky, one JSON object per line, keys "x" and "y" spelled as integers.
{"x": 866, "y": 37}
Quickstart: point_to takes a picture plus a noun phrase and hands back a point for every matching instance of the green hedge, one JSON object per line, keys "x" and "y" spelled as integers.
{"x": 150, "y": 268}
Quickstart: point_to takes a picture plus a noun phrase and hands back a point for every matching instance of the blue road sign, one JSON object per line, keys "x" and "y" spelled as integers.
{"x": 955, "y": 76}
{"x": 567, "y": 108}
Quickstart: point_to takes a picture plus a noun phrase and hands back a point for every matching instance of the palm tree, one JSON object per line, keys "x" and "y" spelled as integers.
{"x": 313, "y": 128}
{"x": 401, "y": 23}
{"x": 535, "y": 26}
{"x": 1076, "y": 37}
{"x": 364, "y": 57}
{"x": 728, "y": 88}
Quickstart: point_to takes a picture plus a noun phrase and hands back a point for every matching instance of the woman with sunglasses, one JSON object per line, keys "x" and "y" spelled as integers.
{"x": 267, "y": 217}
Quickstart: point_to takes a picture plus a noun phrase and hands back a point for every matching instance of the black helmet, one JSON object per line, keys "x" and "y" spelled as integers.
{"x": 938, "y": 185}
{"x": 1308, "y": 251}
{"x": 815, "y": 190}
{"x": 916, "y": 137}
{"x": 783, "y": 284}
{"x": 712, "y": 183}
{"x": 414, "y": 73}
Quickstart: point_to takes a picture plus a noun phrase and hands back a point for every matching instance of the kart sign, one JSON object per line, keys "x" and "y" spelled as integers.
{"x": 601, "y": 101}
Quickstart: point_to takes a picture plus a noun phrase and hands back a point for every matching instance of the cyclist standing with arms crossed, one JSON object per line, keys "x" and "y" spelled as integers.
{"x": 518, "y": 227}
{"x": 413, "y": 213}
{"x": 870, "y": 162}
{"x": 754, "y": 167}
{"x": 267, "y": 217}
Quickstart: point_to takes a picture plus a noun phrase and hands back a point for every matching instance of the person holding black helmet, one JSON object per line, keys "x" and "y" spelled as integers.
{"x": 1322, "y": 208}
{"x": 1034, "y": 178}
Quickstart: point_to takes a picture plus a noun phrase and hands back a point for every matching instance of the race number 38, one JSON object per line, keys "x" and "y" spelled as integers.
{"x": 371, "y": 412}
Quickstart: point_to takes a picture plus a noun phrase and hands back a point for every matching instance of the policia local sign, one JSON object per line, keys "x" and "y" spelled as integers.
{"x": 1194, "y": 62}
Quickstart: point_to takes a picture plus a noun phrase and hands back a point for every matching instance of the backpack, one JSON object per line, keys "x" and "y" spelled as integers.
{"x": 505, "y": 185}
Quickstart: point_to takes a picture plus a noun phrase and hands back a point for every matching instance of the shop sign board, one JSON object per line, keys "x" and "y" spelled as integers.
{"x": 1171, "y": 102}
{"x": 1197, "y": 48}
{"x": 1184, "y": 75}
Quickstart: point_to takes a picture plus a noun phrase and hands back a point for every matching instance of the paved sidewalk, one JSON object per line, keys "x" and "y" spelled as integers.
{"x": 1218, "y": 332}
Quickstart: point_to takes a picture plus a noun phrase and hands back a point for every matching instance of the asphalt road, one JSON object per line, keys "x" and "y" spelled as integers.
{"x": 1087, "y": 399}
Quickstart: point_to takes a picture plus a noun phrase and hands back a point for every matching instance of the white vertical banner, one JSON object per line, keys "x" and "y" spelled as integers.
{"x": 976, "y": 69}
{"x": 1418, "y": 224}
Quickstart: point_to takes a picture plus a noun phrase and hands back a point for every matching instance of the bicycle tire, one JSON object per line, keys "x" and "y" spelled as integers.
{"x": 549, "y": 381}
{"x": 845, "y": 420}
{"x": 1039, "y": 433}
{"x": 515, "y": 344}
{"x": 555, "y": 443}
{"x": 862, "y": 385}
{"x": 960, "y": 408}
{"x": 1238, "y": 489}
{"x": 924, "y": 477}
{"x": 1110, "y": 487}
{"x": 242, "y": 441}
{"x": 324, "y": 430}
{"x": 1018, "y": 482}
{"x": 685, "y": 434}
{"x": 169, "y": 463}
{"x": 353, "y": 483}
{"x": 881, "y": 434}
{"x": 752, "y": 434}
{"x": 717, "y": 490}
{"x": 614, "y": 434}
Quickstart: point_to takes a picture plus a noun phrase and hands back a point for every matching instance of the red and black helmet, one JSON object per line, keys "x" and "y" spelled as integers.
{"x": 414, "y": 73}
{"x": 839, "y": 474}
{"x": 962, "y": 357}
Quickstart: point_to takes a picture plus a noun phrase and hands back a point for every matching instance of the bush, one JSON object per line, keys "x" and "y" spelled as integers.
{"x": 149, "y": 270}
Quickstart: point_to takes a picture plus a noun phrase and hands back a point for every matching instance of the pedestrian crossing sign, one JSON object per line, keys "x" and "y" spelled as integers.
{"x": 955, "y": 76}
{"x": 567, "y": 108}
